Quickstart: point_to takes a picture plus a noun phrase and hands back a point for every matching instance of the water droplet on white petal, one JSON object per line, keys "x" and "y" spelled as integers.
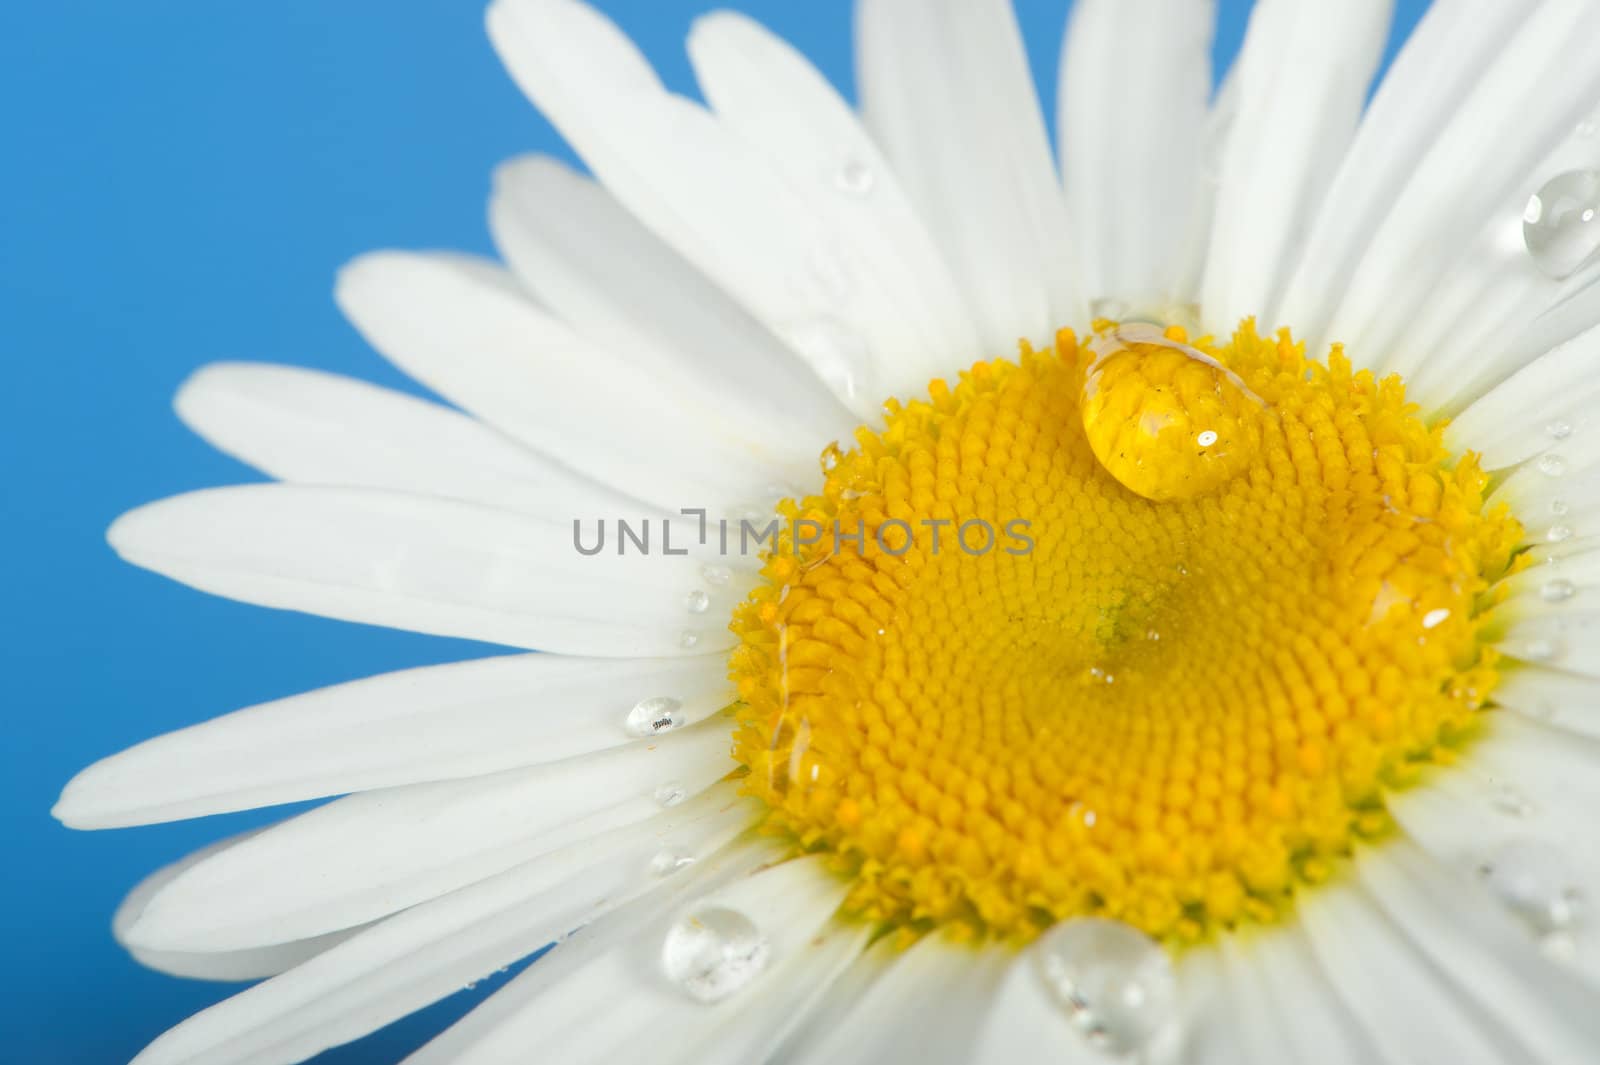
{"x": 689, "y": 639}
{"x": 651, "y": 717}
{"x": 1114, "y": 981}
{"x": 1511, "y": 802}
{"x": 713, "y": 952}
{"x": 1536, "y": 881}
{"x": 717, "y": 576}
{"x": 1561, "y": 225}
{"x": 1559, "y": 533}
{"x": 697, "y": 601}
{"x": 670, "y": 861}
{"x": 1552, "y": 465}
{"x": 1560, "y": 508}
{"x": 1540, "y": 650}
{"x": 838, "y": 353}
{"x": 1557, "y": 590}
{"x": 1559, "y": 430}
{"x": 670, "y": 794}
{"x": 856, "y": 178}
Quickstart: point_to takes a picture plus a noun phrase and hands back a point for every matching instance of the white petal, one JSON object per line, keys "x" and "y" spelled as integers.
{"x": 769, "y": 94}
{"x": 463, "y": 328}
{"x": 428, "y": 952}
{"x": 1551, "y": 398}
{"x": 577, "y": 1019}
{"x": 946, "y": 90}
{"x": 222, "y": 965}
{"x": 1303, "y": 76}
{"x": 711, "y": 195}
{"x": 1025, "y": 1023}
{"x": 1490, "y": 959}
{"x": 429, "y": 565}
{"x": 1561, "y": 700}
{"x": 1389, "y": 984}
{"x": 378, "y": 852}
{"x": 592, "y": 262}
{"x": 891, "y": 1020}
{"x": 319, "y": 428}
{"x": 438, "y": 723}
{"x": 1447, "y": 51}
{"x": 1523, "y": 104}
{"x": 1297, "y": 992}
{"x": 1129, "y": 167}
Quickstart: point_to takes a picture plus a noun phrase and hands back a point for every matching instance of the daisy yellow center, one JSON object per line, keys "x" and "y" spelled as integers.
{"x": 1139, "y": 628}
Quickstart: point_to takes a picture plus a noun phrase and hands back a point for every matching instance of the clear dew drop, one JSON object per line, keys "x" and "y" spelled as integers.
{"x": 839, "y": 354}
{"x": 716, "y": 576}
{"x": 1115, "y": 982}
{"x": 670, "y": 794}
{"x": 670, "y": 861}
{"x": 1561, "y": 224}
{"x": 713, "y": 952}
{"x": 1540, "y": 650}
{"x": 1559, "y": 533}
{"x": 697, "y": 601}
{"x": 1434, "y": 618}
{"x": 855, "y": 178}
{"x": 689, "y": 639}
{"x": 1509, "y": 801}
{"x": 1560, "y": 508}
{"x": 1536, "y": 882}
{"x": 653, "y": 716}
{"x": 1557, "y": 590}
{"x": 1559, "y": 430}
{"x": 1551, "y": 465}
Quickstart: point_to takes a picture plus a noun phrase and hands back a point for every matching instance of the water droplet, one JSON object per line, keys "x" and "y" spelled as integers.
{"x": 1510, "y": 802}
{"x": 1539, "y": 650}
{"x": 1558, "y": 533}
{"x": 670, "y": 794}
{"x": 1434, "y": 618}
{"x": 669, "y": 861}
{"x": 856, "y": 178}
{"x": 1559, "y": 430}
{"x": 1114, "y": 981}
{"x": 1551, "y": 465}
{"x": 1561, "y": 224}
{"x": 1535, "y": 880}
{"x": 838, "y": 353}
{"x": 697, "y": 601}
{"x": 1560, "y": 508}
{"x": 651, "y": 717}
{"x": 1556, "y": 591}
{"x": 713, "y": 952}
{"x": 716, "y": 576}
{"x": 1147, "y": 400}
{"x": 689, "y": 639}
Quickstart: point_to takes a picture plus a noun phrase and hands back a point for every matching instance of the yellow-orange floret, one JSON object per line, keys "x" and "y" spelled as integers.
{"x": 1162, "y": 693}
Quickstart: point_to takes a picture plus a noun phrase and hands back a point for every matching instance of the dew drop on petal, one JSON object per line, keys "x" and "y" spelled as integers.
{"x": 1551, "y": 465}
{"x": 1115, "y": 982}
{"x": 1557, "y": 590}
{"x": 670, "y": 794}
{"x": 1507, "y": 800}
{"x": 689, "y": 639}
{"x": 1561, "y": 224}
{"x": 697, "y": 601}
{"x": 713, "y": 952}
{"x": 1536, "y": 881}
{"x": 669, "y": 861}
{"x": 1558, "y": 533}
{"x": 716, "y": 576}
{"x": 838, "y": 353}
{"x": 1559, "y": 430}
{"x": 1560, "y": 508}
{"x": 856, "y": 178}
{"x": 653, "y": 716}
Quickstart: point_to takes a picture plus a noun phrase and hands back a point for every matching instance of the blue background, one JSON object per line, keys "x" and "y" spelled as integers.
{"x": 181, "y": 179}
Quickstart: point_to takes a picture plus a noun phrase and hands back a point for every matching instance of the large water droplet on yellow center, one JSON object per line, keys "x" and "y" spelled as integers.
{"x": 1165, "y": 419}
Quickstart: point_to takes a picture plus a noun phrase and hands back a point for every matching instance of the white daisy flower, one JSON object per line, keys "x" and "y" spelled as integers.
{"x": 1247, "y": 711}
